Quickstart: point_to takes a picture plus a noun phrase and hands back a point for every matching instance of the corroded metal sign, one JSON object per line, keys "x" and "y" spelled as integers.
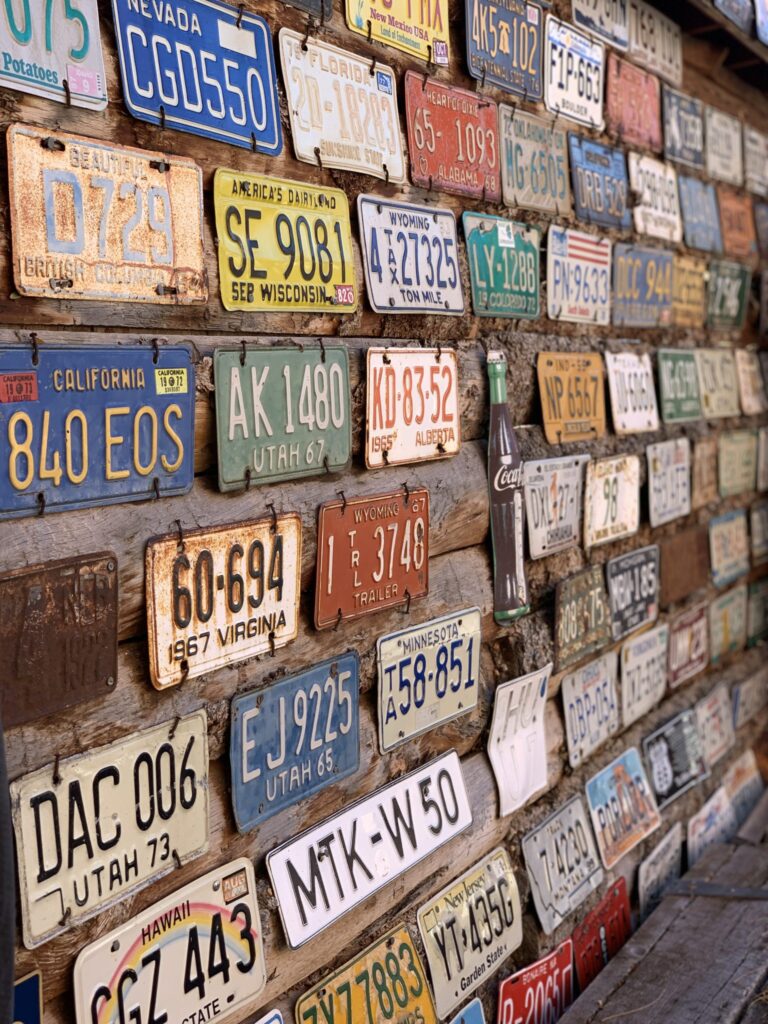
{"x": 684, "y": 564}
{"x": 632, "y": 103}
{"x": 689, "y": 291}
{"x": 611, "y": 499}
{"x": 688, "y": 645}
{"x": 582, "y": 616}
{"x": 622, "y": 806}
{"x": 534, "y": 162}
{"x": 737, "y": 223}
{"x": 572, "y": 395}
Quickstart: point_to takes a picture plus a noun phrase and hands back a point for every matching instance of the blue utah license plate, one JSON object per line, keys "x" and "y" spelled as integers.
{"x": 642, "y": 286}
{"x": 701, "y": 216}
{"x": 204, "y": 67}
{"x": 504, "y": 44}
{"x": 93, "y": 426}
{"x": 600, "y": 184}
{"x": 294, "y": 738}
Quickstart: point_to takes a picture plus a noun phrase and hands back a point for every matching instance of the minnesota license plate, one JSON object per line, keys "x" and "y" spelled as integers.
{"x": 575, "y": 65}
{"x": 718, "y": 382}
{"x": 688, "y": 645}
{"x": 622, "y": 807}
{"x": 341, "y": 115}
{"x": 220, "y": 595}
{"x": 503, "y": 258}
{"x": 632, "y": 104}
{"x": 470, "y": 928}
{"x": 602, "y": 933}
{"x": 572, "y": 395}
{"x": 428, "y": 675}
{"x": 757, "y": 625}
{"x": 600, "y": 185}
{"x": 504, "y": 45}
{"x": 701, "y": 217}
{"x": 578, "y": 276}
{"x": 606, "y": 19}
{"x": 633, "y": 395}
{"x": 217, "y": 75}
{"x": 661, "y": 867}
{"x": 283, "y": 245}
{"x": 714, "y": 721}
{"x": 92, "y": 425}
{"x": 714, "y": 823}
{"x": 678, "y": 385}
{"x": 655, "y": 41}
{"x": 723, "y": 149}
{"x": 683, "y": 128}
{"x": 611, "y": 499}
{"x": 633, "y": 589}
{"x": 656, "y": 209}
{"x": 642, "y": 286}
{"x": 418, "y": 31}
{"x": 689, "y": 291}
{"x": 669, "y": 480}
{"x": 704, "y": 472}
{"x": 197, "y": 949}
{"x": 293, "y": 738}
{"x": 543, "y": 991}
{"x": 119, "y": 817}
{"x": 758, "y": 532}
{"x": 453, "y": 139}
{"x": 553, "y": 494}
{"x": 674, "y": 758}
{"x": 383, "y": 543}
{"x": 754, "y": 399}
{"x": 643, "y": 673}
{"x": 755, "y": 161}
{"x": 281, "y": 413}
{"x": 582, "y": 616}
{"x": 728, "y": 547}
{"x": 728, "y": 623}
{"x": 562, "y": 862}
{"x": 591, "y": 707}
{"x": 736, "y": 461}
{"x": 534, "y": 162}
{"x": 410, "y": 256}
{"x": 315, "y": 885}
{"x": 94, "y": 221}
{"x": 516, "y": 739}
{"x": 737, "y": 223}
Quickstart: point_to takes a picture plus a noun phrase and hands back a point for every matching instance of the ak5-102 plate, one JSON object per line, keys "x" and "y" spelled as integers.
{"x": 504, "y": 45}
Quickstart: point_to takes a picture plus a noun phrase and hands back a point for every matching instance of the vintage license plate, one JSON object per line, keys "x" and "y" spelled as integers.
{"x": 622, "y": 806}
{"x": 283, "y": 245}
{"x": 562, "y": 862}
{"x": 27, "y": 1007}
{"x": 737, "y": 461}
{"x": 728, "y": 623}
{"x": 744, "y": 785}
{"x": 704, "y": 472}
{"x": 210, "y": 49}
{"x": 544, "y": 988}
{"x": 159, "y": 955}
{"x": 412, "y": 406}
{"x": 737, "y": 223}
{"x": 655, "y": 41}
{"x": 575, "y": 66}
{"x": 674, "y": 759}
{"x": 656, "y": 209}
{"x": 428, "y": 675}
{"x": 218, "y": 596}
{"x": 761, "y": 20}
{"x": 714, "y": 721}
{"x": 58, "y": 629}
{"x": 701, "y": 217}
{"x": 754, "y": 399}
{"x": 642, "y": 286}
{"x": 121, "y": 816}
{"x": 600, "y": 185}
{"x": 591, "y": 707}
{"x": 633, "y": 590}
{"x": 410, "y": 257}
{"x": 421, "y": 32}
{"x": 688, "y": 645}
{"x": 503, "y": 258}
{"x": 718, "y": 382}
{"x": 281, "y": 414}
{"x": 578, "y": 276}
{"x": 602, "y": 933}
{"x": 315, "y": 887}
{"x": 517, "y": 747}
{"x": 453, "y": 139}
{"x": 633, "y": 395}
{"x": 582, "y": 616}
{"x": 632, "y": 103}
{"x": 120, "y": 223}
{"x": 94, "y": 425}
{"x": 758, "y": 532}
{"x": 755, "y": 161}
{"x": 683, "y": 128}
{"x": 470, "y": 928}
{"x": 294, "y": 738}
{"x": 757, "y": 617}
{"x": 762, "y": 459}
{"x": 723, "y": 149}
{"x": 740, "y": 12}
{"x": 472, "y": 1013}
{"x": 669, "y": 480}
{"x": 749, "y": 697}
{"x": 341, "y": 115}
{"x": 728, "y": 547}
{"x": 572, "y": 395}
{"x": 678, "y": 385}
{"x": 553, "y": 495}
{"x": 504, "y": 45}
{"x": 689, "y": 291}
{"x": 714, "y": 823}
{"x": 534, "y": 162}
{"x": 659, "y": 869}
{"x": 643, "y": 673}
{"x": 54, "y": 51}
{"x": 606, "y": 19}
{"x": 611, "y": 499}
{"x": 684, "y": 562}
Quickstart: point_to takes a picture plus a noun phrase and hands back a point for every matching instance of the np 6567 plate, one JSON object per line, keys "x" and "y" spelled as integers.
{"x": 504, "y": 45}
{"x": 642, "y": 286}
{"x": 633, "y": 589}
{"x": 622, "y": 807}
{"x": 572, "y": 395}
{"x": 218, "y": 596}
{"x": 503, "y": 258}
{"x": 553, "y": 494}
{"x": 574, "y": 68}
{"x": 578, "y": 276}
{"x": 582, "y": 616}
{"x": 600, "y": 185}
{"x": 683, "y": 128}
{"x": 534, "y": 162}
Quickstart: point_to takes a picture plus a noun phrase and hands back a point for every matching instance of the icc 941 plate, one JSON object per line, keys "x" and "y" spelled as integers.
{"x": 578, "y": 276}
{"x": 633, "y": 395}
{"x": 611, "y": 499}
{"x": 504, "y": 45}
{"x": 574, "y": 67}
{"x": 421, "y": 31}
{"x": 503, "y": 258}
{"x": 534, "y": 162}
{"x": 553, "y": 493}
{"x": 572, "y": 395}
{"x": 197, "y": 949}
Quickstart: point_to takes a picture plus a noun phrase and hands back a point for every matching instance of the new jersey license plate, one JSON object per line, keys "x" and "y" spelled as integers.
{"x": 572, "y": 395}
{"x": 656, "y": 209}
{"x": 418, "y": 31}
{"x": 633, "y": 589}
{"x": 534, "y": 162}
{"x": 606, "y": 19}
{"x": 669, "y": 480}
{"x": 655, "y": 41}
{"x": 678, "y": 385}
{"x": 632, "y": 103}
{"x": 643, "y": 673}
{"x": 503, "y": 258}
{"x": 688, "y": 645}
{"x": 543, "y": 991}
{"x": 728, "y": 547}
{"x": 683, "y": 128}
{"x": 516, "y": 739}
{"x": 575, "y": 64}
{"x": 622, "y": 807}
{"x": 736, "y": 461}
{"x": 611, "y": 499}
{"x": 504, "y": 45}
{"x": 689, "y": 291}
{"x": 701, "y": 217}
{"x": 728, "y": 294}
{"x": 718, "y": 382}
{"x": 590, "y": 706}
{"x": 582, "y": 616}
{"x": 642, "y": 286}
{"x": 553, "y": 495}
{"x": 600, "y": 186}
{"x": 633, "y": 395}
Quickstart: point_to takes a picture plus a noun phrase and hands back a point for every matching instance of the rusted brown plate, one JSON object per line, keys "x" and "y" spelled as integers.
{"x": 58, "y": 631}
{"x": 633, "y": 104}
{"x": 684, "y": 564}
{"x": 688, "y": 645}
{"x": 689, "y": 291}
{"x": 572, "y": 395}
{"x": 372, "y": 553}
{"x": 704, "y": 472}
{"x": 737, "y": 223}
{"x": 582, "y": 616}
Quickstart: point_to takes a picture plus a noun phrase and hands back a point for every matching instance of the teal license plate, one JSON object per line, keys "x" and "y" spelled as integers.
{"x": 503, "y": 266}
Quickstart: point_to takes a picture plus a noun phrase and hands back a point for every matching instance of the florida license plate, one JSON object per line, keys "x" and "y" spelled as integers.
{"x": 582, "y": 616}
{"x": 728, "y": 294}
{"x": 421, "y": 31}
{"x": 281, "y": 413}
{"x": 678, "y": 385}
{"x": 218, "y": 596}
{"x": 632, "y": 103}
{"x": 591, "y": 706}
{"x": 669, "y": 480}
{"x": 701, "y": 217}
{"x": 688, "y": 645}
{"x": 718, "y": 382}
{"x": 604, "y": 18}
{"x": 656, "y": 209}
{"x": 633, "y": 395}
{"x": 736, "y": 461}
{"x": 197, "y": 949}
{"x": 643, "y": 673}
{"x": 683, "y": 128}
{"x": 504, "y": 45}
{"x": 534, "y": 162}
{"x": 737, "y": 222}
{"x": 553, "y": 497}
{"x": 611, "y": 499}
{"x": 575, "y": 65}
{"x": 723, "y": 146}
{"x": 600, "y": 185}
{"x": 642, "y": 286}
{"x": 689, "y": 291}
{"x": 428, "y": 675}
{"x": 578, "y": 276}
{"x": 622, "y": 807}
{"x": 728, "y": 623}
{"x": 655, "y": 41}
{"x": 572, "y": 395}
{"x": 728, "y": 547}
{"x": 633, "y": 589}
{"x": 602, "y": 933}
{"x": 543, "y": 991}
{"x": 121, "y": 816}
{"x": 503, "y": 258}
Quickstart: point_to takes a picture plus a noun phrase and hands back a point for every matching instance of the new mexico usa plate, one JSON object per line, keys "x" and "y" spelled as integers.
{"x": 420, "y": 31}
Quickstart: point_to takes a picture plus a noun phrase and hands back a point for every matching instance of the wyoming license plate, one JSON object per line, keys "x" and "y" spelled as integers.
{"x": 503, "y": 258}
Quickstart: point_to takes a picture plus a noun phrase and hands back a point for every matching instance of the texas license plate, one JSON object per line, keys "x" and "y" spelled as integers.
{"x": 572, "y": 395}
{"x": 281, "y": 413}
{"x": 453, "y": 139}
{"x": 582, "y": 616}
{"x": 534, "y": 162}
{"x": 656, "y": 209}
{"x": 119, "y": 817}
{"x": 723, "y": 148}
{"x": 728, "y": 547}
{"x": 428, "y": 675}
{"x": 683, "y": 128}
{"x": 383, "y": 549}
{"x": 563, "y": 863}
{"x": 633, "y": 394}
{"x": 689, "y": 291}
{"x": 688, "y": 645}
{"x": 503, "y": 258}
{"x": 737, "y": 222}
{"x": 642, "y": 286}
{"x": 91, "y": 425}
{"x": 471, "y": 927}
{"x": 410, "y": 256}
{"x": 659, "y": 869}
{"x": 341, "y": 114}
{"x": 216, "y": 76}
{"x": 632, "y": 103}
{"x": 293, "y": 738}
{"x": 754, "y": 398}
{"x": 573, "y": 84}
{"x": 591, "y": 706}
{"x": 622, "y": 806}
{"x": 655, "y": 41}
{"x": 755, "y": 161}
{"x": 701, "y": 217}
{"x": 678, "y": 385}
{"x": 600, "y": 185}
{"x": 94, "y": 221}
{"x": 578, "y": 276}
{"x": 714, "y": 720}
{"x": 718, "y": 382}
{"x": 504, "y": 45}
{"x": 736, "y": 461}
{"x": 420, "y": 31}
{"x": 674, "y": 758}
{"x": 516, "y": 739}
{"x": 643, "y": 673}
{"x": 728, "y": 623}
{"x": 543, "y": 991}
{"x": 611, "y": 499}
{"x": 553, "y": 495}
{"x": 633, "y": 589}
{"x": 602, "y": 933}
{"x": 198, "y": 948}
{"x": 315, "y": 886}
{"x": 669, "y": 480}
{"x": 604, "y": 18}
{"x": 218, "y": 596}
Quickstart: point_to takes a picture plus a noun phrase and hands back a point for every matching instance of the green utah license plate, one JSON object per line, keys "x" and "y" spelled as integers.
{"x": 503, "y": 266}
{"x": 281, "y": 413}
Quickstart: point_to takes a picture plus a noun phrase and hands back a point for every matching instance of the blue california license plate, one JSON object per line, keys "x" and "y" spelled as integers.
{"x": 204, "y": 67}
{"x": 504, "y": 45}
{"x": 600, "y": 184}
{"x": 701, "y": 216}
{"x": 293, "y": 738}
{"x": 94, "y": 426}
{"x": 642, "y": 286}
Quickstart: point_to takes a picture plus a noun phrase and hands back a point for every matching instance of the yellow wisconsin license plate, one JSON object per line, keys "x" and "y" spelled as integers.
{"x": 283, "y": 245}
{"x": 384, "y": 985}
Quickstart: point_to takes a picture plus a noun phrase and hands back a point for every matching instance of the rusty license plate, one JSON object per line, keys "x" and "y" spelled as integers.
{"x": 611, "y": 499}
{"x": 688, "y": 645}
{"x": 602, "y": 933}
{"x": 689, "y": 291}
{"x": 728, "y": 547}
{"x": 737, "y": 223}
{"x": 372, "y": 553}
{"x": 737, "y": 461}
{"x": 582, "y": 616}
{"x": 622, "y": 806}
{"x": 632, "y": 104}
{"x": 754, "y": 399}
{"x": 572, "y": 395}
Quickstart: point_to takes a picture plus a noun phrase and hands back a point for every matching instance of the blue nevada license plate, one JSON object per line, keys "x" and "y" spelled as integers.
{"x": 600, "y": 184}
{"x": 204, "y": 67}
{"x": 294, "y": 738}
{"x": 701, "y": 216}
{"x": 94, "y": 426}
{"x": 504, "y": 45}
{"x": 642, "y": 286}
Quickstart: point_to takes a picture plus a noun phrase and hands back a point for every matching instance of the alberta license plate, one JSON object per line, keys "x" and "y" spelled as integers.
{"x": 94, "y": 221}
{"x": 633, "y": 589}
{"x": 121, "y": 816}
{"x": 410, "y": 256}
{"x": 633, "y": 395}
{"x": 281, "y": 413}
{"x": 604, "y": 18}
{"x": 428, "y": 675}
{"x": 420, "y": 31}
{"x": 372, "y": 553}
{"x": 669, "y": 480}
{"x": 578, "y": 276}
{"x": 218, "y": 596}
{"x": 590, "y": 706}
{"x": 553, "y": 495}
{"x": 572, "y": 395}
{"x": 622, "y": 806}
{"x": 728, "y": 294}
{"x": 602, "y": 933}
{"x": 737, "y": 222}
{"x": 736, "y": 461}
{"x": 504, "y": 44}
{"x": 197, "y": 949}
{"x": 656, "y": 210}
{"x": 575, "y": 64}
{"x": 543, "y": 991}
{"x": 611, "y": 499}
{"x": 701, "y": 218}
{"x": 643, "y": 673}
{"x": 689, "y": 291}
{"x": 582, "y": 616}
{"x": 718, "y": 382}
{"x": 632, "y": 103}
{"x": 642, "y": 286}
{"x": 723, "y": 146}
{"x": 688, "y": 645}
{"x": 600, "y": 185}
{"x": 728, "y": 547}
{"x": 678, "y": 385}
{"x": 655, "y": 41}
{"x": 728, "y": 623}
{"x": 683, "y": 128}
{"x": 534, "y": 162}
{"x": 503, "y": 258}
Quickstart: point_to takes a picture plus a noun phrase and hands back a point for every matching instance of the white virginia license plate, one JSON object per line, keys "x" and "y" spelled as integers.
{"x": 553, "y": 493}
